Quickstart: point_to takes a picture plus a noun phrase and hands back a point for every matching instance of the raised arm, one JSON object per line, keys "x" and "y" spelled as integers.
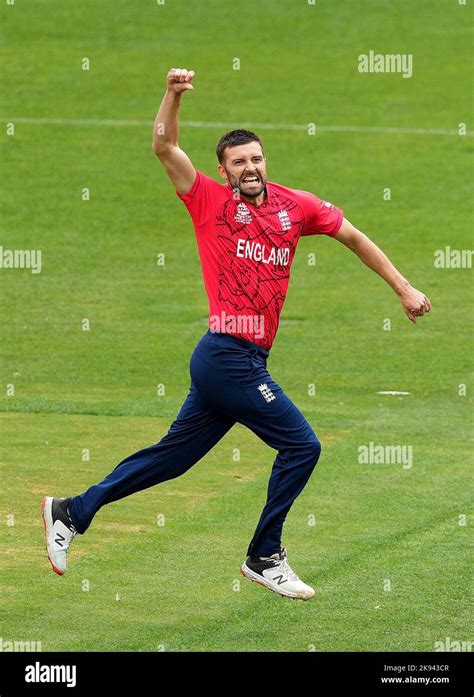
{"x": 414, "y": 302}
{"x": 177, "y": 164}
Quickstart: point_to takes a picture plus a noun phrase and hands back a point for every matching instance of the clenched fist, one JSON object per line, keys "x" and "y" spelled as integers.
{"x": 179, "y": 80}
{"x": 415, "y": 303}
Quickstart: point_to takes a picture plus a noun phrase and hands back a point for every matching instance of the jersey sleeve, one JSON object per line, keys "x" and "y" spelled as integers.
{"x": 321, "y": 217}
{"x": 200, "y": 197}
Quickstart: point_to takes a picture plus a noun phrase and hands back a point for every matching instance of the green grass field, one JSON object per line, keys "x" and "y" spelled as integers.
{"x": 388, "y": 554}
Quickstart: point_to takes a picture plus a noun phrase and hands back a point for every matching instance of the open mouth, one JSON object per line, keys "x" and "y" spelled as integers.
{"x": 250, "y": 180}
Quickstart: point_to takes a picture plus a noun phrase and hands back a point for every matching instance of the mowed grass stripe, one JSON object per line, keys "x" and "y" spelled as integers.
{"x": 58, "y": 121}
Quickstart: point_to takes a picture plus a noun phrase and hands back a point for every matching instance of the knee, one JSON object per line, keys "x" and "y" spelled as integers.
{"x": 313, "y": 448}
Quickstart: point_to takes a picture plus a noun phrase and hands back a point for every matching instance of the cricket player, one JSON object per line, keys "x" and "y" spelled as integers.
{"x": 247, "y": 230}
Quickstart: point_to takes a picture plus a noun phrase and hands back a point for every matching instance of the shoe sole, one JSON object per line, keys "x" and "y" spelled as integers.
{"x": 248, "y": 573}
{"x": 48, "y": 525}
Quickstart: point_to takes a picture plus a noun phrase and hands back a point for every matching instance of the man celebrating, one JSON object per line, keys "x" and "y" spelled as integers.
{"x": 247, "y": 231}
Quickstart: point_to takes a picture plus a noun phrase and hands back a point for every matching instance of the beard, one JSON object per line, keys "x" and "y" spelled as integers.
{"x": 250, "y": 190}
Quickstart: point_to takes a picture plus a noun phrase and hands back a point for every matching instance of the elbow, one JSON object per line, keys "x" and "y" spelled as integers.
{"x": 158, "y": 148}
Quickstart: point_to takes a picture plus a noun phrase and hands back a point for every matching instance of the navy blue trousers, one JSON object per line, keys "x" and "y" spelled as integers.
{"x": 229, "y": 383}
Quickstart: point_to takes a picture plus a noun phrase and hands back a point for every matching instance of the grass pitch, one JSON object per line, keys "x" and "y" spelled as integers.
{"x": 385, "y": 546}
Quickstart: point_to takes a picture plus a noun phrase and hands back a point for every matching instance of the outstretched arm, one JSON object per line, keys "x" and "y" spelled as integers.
{"x": 177, "y": 164}
{"x": 414, "y": 302}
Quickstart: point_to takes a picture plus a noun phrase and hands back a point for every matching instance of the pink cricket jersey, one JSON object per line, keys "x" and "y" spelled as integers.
{"x": 246, "y": 251}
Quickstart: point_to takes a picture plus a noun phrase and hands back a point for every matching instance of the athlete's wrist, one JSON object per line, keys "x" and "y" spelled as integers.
{"x": 401, "y": 286}
{"x": 173, "y": 94}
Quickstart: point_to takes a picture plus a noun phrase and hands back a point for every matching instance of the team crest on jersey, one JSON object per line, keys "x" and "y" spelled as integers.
{"x": 243, "y": 214}
{"x": 284, "y": 220}
{"x": 328, "y": 205}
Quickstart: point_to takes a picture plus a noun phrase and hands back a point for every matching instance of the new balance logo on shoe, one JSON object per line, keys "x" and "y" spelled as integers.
{"x": 280, "y": 579}
{"x": 59, "y": 531}
{"x": 266, "y": 392}
{"x": 285, "y": 582}
{"x": 59, "y": 539}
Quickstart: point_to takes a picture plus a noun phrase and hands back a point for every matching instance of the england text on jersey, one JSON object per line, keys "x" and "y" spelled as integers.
{"x": 246, "y": 251}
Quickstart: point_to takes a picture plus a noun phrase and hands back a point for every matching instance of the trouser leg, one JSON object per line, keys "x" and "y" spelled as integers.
{"x": 195, "y": 431}
{"x": 239, "y": 384}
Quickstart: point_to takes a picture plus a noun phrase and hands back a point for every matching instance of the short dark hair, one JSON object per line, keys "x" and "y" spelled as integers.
{"x": 233, "y": 138}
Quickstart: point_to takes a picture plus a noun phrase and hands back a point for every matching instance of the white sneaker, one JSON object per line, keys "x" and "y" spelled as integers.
{"x": 276, "y": 574}
{"x": 59, "y": 530}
